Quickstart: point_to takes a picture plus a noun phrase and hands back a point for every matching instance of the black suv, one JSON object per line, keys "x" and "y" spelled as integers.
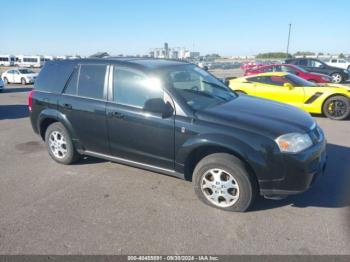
{"x": 174, "y": 118}
{"x": 314, "y": 65}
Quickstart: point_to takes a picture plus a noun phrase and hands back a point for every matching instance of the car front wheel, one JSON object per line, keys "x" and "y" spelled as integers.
{"x": 6, "y": 81}
{"x": 222, "y": 181}
{"x": 336, "y": 78}
{"x": 59, "y": 144}
{"x": 23, "y": 81}
{"x": 337, "y": 107}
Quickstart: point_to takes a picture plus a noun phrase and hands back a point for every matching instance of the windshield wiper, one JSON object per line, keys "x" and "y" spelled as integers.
{"x": 213, "y": 84}
{"x": 199, "y": 93}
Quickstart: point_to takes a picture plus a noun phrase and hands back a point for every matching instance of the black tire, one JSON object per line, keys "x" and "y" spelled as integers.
{"x": 6, "y": 81}
{"x": 23, "y": 81}
{"x": 337, "y": 78}
{"x": 71, "y": 155}
{"x": 247, "y": 184}
{"x": 337, "y": 107}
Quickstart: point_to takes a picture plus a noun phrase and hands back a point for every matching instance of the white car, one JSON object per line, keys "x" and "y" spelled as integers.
{"x": 19, "y": 76}
{"x": 341, "y": 63}
{"x": 2, "y": 85}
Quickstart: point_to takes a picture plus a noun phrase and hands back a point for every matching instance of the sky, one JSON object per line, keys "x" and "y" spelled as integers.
{"x": 226, "y": 27}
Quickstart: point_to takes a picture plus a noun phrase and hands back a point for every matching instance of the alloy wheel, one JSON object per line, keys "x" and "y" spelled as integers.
{"x": 337, "y": 108}
{"x": 220, "y": 187}
{"x": 58, "y": 144}
{"x": 336, "y": 78}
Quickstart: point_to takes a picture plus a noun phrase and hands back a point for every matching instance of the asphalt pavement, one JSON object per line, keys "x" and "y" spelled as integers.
{"x": 100, "y": 207}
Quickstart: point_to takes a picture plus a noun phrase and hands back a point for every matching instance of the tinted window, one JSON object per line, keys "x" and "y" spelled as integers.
{"x": 54, "y": 75}
{"x": 302, "y": 62}
{"x": 277, "y": 80}
{"x": 71, "y": 87}
{"x": 91, "y": 81}
{"x": 258, "y": 79}
{"x": 297, "y": 81}
{"x": 133, "y": 88}
{"x": 287, "y": 69}
{"x": 269, "y": 80}
{"x": 314, "y": 63}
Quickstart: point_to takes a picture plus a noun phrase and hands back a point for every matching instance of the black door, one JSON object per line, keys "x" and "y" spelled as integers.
{"x": 84, "y": 104}
{"x": 134, "y": 134}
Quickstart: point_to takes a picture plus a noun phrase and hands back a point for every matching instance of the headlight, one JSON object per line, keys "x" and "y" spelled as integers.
{"x": 293, "y": 142}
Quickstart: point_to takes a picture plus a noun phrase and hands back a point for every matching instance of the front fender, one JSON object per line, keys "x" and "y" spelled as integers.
{"x": 256, "y": 158}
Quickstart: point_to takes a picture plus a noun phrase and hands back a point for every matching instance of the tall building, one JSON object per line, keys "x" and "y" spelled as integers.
{"x": 173, "y": 53}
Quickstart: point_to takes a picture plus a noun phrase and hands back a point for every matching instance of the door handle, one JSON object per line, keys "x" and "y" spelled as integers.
{"x": 116, "y": 114}
{"x": 68, "y": 106}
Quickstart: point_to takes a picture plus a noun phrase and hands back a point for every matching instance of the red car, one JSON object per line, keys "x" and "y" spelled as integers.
{"x": 293, "y": 69}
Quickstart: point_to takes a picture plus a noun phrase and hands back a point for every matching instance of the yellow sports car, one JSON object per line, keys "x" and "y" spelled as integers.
{"x": 332, "y": 100}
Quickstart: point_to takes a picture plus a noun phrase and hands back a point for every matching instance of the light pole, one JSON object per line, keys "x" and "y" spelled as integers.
{"x": 290, "y": 26}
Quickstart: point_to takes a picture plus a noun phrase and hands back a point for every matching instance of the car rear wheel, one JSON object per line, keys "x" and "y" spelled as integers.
{"x": 222, "y": 181}
{"x": 59, "y": 144}
{"x": 337, "y": 78}
{"x": 337, "y": 108}
{"x": 6, "y": 81}
{"x": 23, "y": 81}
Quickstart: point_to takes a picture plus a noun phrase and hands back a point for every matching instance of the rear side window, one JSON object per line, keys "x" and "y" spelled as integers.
{"x": 303, "y": 62}
{"x": 91, "y": 81}
{"x": 54, "y": 75}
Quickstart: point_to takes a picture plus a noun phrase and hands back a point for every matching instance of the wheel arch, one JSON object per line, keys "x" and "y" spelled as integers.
{"x": 330, "y": 96}
{"x": 198, "y": 153}
{"x": 49, "y": 116}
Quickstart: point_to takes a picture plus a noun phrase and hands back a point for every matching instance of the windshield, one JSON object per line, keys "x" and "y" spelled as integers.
{"x": 197, "y": 87}
{"x": 26, "y": 71}
{"x": 297, "y": 81}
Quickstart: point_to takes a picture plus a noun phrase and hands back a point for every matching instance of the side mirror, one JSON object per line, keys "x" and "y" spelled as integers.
{"x": 288, "y": 85}
{"x": 158, "y": 106}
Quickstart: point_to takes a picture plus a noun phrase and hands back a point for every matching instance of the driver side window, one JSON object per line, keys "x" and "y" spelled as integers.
{"x": 131, "y": 88}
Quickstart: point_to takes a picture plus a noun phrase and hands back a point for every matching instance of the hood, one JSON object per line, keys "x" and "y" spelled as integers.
{"x": 259, "y": 115}
{"x": 347, "y": 88}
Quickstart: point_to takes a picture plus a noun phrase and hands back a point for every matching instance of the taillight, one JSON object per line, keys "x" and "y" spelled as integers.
{"x": 30, "y": 100}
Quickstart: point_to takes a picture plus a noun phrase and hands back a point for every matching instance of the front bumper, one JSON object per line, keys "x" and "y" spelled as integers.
{"x": 299, "y": 172}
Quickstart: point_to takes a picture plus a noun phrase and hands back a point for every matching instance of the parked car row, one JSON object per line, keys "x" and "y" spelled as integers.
{"x": 314, "y": 65}
{"x": 314, "y": 70}
{"x": 19, "y": 76}
{"x": 332, "y": 100}
{"x": 29, "y": 60}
